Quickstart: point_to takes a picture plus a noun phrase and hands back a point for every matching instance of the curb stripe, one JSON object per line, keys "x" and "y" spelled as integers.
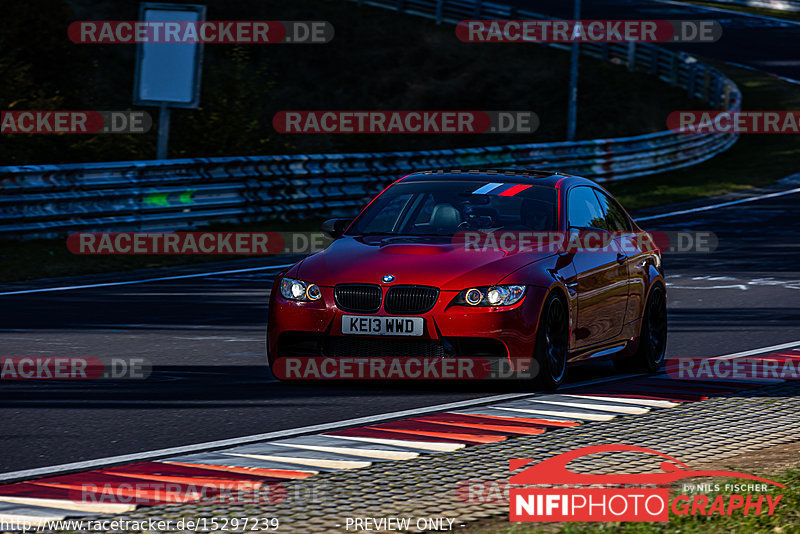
{"x": 521, "y": 430}
{"x": 267, "y": 473}
{"x": 311, "y": 462}
{"x": 571, "y": 415}
{"x": 220, "y": 458}
{"x": 414, "y": 425}
{"x": 515, "y": 422}
{"x": 176, "y": 470}
{"x": 630, "y": 410}
{"x": 434, "y": 446}
{"x": 369, "y": 432}
{"x": 463, "y": 438}
{"x": 365, "y": 453}
{"x": 494, "y": 413}
{"x": 630, "y": 400}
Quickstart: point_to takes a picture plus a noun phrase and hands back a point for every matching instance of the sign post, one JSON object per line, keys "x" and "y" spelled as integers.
{"x": 572, "y": 112}
{"x": 163, "y": 131}
{"x": 168, "y": 74}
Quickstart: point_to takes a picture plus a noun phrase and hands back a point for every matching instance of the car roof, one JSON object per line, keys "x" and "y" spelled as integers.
{"x": 522, "y": 176}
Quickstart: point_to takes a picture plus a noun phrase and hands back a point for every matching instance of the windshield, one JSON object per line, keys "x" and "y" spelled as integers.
{"x": 444, "y": 208}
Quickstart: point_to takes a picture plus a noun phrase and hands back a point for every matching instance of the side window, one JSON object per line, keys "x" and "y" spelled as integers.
{"x": 616, "y": 220}
{"x": 583, "y": 209}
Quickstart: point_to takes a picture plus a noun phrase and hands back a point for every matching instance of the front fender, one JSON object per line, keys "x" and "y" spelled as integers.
{"x": 547, "y": 276}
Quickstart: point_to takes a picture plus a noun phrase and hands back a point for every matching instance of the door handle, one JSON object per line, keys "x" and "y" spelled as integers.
{"x": 621, "y": 258}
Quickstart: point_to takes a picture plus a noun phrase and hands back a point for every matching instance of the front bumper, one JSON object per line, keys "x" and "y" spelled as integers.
{"x": 313, "y": 329}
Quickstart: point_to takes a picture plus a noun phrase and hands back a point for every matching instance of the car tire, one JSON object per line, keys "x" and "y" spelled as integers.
{"x": 552, "y": 344}
{"x": 650, "y": 353}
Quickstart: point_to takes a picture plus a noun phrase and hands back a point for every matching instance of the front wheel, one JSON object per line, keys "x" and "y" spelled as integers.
{"x": 552, "y": 343}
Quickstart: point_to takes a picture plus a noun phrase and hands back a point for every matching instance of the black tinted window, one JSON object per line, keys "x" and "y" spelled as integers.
{"x": 616, "y": 220}
{"x": 446, "y": 207}
{"x": 583, "y": 209}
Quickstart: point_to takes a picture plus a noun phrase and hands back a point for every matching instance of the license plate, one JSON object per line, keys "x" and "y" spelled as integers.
{"x": 382, "y": 326}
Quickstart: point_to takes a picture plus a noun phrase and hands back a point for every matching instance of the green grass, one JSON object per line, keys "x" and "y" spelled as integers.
{"x": 785, "y": 520}
{"x": 755, "y": 160}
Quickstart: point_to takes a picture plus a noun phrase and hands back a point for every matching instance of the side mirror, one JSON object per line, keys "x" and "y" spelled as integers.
{"x": 334, "y": 228}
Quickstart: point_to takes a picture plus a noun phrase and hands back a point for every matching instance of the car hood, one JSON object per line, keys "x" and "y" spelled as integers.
{"x": 423, "y": 261}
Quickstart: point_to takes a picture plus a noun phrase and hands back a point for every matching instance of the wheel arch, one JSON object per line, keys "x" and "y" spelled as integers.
{"x": 560, "y": 291}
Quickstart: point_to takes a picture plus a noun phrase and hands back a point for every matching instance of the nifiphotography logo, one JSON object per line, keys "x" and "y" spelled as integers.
{"x": 626, "y": 497}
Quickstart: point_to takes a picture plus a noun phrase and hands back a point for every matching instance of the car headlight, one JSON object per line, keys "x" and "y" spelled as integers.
{"x": 504, "y": 295}
{"x": 299, "y": 290}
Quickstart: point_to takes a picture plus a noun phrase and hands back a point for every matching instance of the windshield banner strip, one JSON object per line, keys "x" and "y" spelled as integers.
{"x": 486, "y": 188}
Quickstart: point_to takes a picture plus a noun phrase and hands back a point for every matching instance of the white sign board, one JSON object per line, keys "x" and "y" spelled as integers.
{"x": 169, "y": 72}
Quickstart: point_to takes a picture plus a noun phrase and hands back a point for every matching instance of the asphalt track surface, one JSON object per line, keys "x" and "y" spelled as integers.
{"x": 205, "y": 337}
{"x": 763, "y": 43}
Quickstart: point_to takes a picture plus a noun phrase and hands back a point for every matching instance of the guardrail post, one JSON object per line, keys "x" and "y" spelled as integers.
{"x": 674, "y": 74}
{"x": 714, "y": 88}
{"x": 654, "y": 62}
{"x": 726, "y": 95}
{"x": 631, "y": 56}
{"x": 439, "y": 10}
{"x": 478, "y": 7}
{"x": 691, "y": 82}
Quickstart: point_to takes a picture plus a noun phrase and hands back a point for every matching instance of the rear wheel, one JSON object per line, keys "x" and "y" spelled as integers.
{"x": 653, "y": 338}
{"x": 552, "y": 344}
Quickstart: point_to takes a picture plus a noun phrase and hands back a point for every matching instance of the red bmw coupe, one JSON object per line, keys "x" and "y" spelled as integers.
{"x": 538, "y": 268}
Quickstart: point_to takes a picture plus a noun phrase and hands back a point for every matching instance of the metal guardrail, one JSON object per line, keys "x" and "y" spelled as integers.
{"x": 48, "y": 200}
